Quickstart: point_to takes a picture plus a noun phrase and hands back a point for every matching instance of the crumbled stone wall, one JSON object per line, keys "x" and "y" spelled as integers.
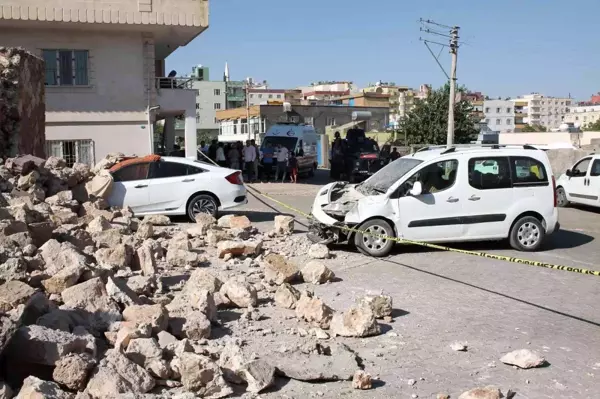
{"x": 22, "y": 103}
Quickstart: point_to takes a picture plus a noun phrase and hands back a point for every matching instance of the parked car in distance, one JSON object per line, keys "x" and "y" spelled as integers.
{"x": 581, "y": 183}
{"x": 175, "y": 186}
{"x": 451, "y": 194}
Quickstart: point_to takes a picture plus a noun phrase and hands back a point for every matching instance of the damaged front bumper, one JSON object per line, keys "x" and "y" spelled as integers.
{"x": 330, "y": 207}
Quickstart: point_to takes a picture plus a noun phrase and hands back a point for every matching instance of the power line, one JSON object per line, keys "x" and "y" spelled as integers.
{"x": 453, "y": 45}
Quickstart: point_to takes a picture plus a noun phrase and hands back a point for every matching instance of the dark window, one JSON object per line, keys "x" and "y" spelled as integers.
{"x": 580, "y": 169}
{"x": 527, "y": 170}
{"x": 595, "y": 168}
{"x": 66, "y": 67}
{"x": 434, "y": 178}
{"x": 489, "y": 173}
{"x": 163, "y": 169}
{"x": 132, "y": 172}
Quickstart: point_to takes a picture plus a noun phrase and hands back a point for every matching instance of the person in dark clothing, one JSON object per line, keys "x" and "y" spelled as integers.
{"x": 338, "y": 151}
{"x": 212, "y": 150}
{"x": 293, "y": 165}
{"x": 394, "y": 154}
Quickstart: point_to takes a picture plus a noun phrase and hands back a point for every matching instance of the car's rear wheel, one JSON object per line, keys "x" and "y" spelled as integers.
{"x": 202, "y": 203}
{"x": 373, "y": 242}
{"x": 527, "y": 234}
{"x": 561, "y": 197}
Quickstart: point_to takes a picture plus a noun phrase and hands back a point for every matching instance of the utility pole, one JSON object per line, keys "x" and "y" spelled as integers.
{"x": 248, "y": 107}
{"x": 454, "y": 54}
{"x": 453, "y": 45}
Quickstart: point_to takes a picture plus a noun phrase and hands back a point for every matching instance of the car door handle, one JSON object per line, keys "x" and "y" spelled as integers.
{"x": 187, "y": 180}
{"x": 452, "y": 199}
{"x": 141, "y": 186}
{"x": 474, "y": 198}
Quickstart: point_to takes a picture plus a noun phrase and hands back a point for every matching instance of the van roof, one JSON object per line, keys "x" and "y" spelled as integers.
{"x": 433, "y": 152}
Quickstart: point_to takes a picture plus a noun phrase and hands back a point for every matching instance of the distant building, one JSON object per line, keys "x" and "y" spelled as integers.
{"x": 322, "y": 93}
{"x": 406, "y": 99}
{"x": 393, "y": 92}
{"x": 234, "y": 125}
{"x": 266, "y": 96}
{"x": 499, "y": 115}
{"x": 582, "y": 116}
{"x": 536, "y": 109}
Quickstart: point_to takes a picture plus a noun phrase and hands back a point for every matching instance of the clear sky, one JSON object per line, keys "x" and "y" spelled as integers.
{"x": 509, "y": 48}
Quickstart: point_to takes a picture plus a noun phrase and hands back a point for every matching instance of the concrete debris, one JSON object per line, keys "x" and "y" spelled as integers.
{"x": 284, "y": 224}
{"x": 33, "y": 387}
{"x": 316, "y": 272}
{"x": 146, "y": 259}
{"x": 489, "y": 392}
{"x": 358, "y": 321}
{"x": 13, "y": 294}
{"x": 287, "y": 296}
{"x": 72, "y": 371}
{"x": 279, "y": 270}
{"x": 458, "y": 347}
{"x": 240, "y": 294}
{"x": 523, "y": 358}
{"x": 313, "y": 310}
{"x": 239, "y": 248}
{"x": 381, "y": 304}
{"x": 201, "y": 375}
{"x": 234, "y": 221}
{"x": 157, "y": 220}
{"x": 319, "y": 251}
{"x": 155, "y": 315}
{"x": 259, "y": 375}
{"x": 205, "y": 222}
{"x": 361, "y": 380}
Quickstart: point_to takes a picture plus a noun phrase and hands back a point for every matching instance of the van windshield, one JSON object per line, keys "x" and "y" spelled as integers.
{"x": 385, "y": 178}
{"x": 288, "y": 142}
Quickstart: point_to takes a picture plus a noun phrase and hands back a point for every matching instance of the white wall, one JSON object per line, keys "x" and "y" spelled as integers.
{"x": 499, "y": 115}
{"x": 546, "y": 138}
{"x": 116, "y": 67}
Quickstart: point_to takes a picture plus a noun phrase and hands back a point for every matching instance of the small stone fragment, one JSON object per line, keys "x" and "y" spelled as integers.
{"x": 358, "y": 321}
{"x": 489, "y": 392}
{"x": 458, "y": 346}
{"x": 316, "y": 272}
{"x": 523, "y": 358}
{"x": 14, "y": 293}
{"x": 284, "y": 224}
{"x": 286, "y": 296}
{"x": 319, "y": 251}
{"x": 234, "y": 221}
{"x": 157, "y": 220}
{"x": 240, "y": 294}
{"x": 361, "y": 380}
{"x": 314, "y": 310}
{"x": 381, "y": 305}
{"x": 34, "y": 388}
{"x": 155, "y": 315}
{"x": 72, "y": 371}
{"x": 279, "y": 270}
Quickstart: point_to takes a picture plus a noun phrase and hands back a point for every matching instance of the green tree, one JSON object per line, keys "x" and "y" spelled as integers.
{"x": 592, "y": 127}
{"x": 427, "y": 122}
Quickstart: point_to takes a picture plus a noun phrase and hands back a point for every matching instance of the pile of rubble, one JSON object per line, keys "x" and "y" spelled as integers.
{"x": 96, "y": 303}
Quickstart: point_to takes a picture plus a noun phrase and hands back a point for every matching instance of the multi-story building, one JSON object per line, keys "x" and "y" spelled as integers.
{"x": 544, "y": 111}
{"x": 322, "y": 93}
{"x": 499, "y": 115}
{"x": 393, "y": 92}
{"x": 293, "y": 96}
{"x": 105, "y": 70}
{"x": 234, "y": 125}
{"x": 582, "y": 116}
{"x": 266, "y": 96}
{"x": 406, "y": 99}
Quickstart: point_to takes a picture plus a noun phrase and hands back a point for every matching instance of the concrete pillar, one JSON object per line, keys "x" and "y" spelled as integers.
{"x": 191, "y": 141}
{"x": 169, "y": 132}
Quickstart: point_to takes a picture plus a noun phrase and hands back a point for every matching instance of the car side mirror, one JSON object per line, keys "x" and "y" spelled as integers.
{"x": 569, "y": 173}
{"x": 417, "y": 189}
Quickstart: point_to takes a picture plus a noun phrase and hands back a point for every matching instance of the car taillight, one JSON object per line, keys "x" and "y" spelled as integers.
{"x": 235, "y": 178}
{"x": 554, "y": 189}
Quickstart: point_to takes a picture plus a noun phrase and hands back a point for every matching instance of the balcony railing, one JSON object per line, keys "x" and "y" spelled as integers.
{"x": 173, "y": 83}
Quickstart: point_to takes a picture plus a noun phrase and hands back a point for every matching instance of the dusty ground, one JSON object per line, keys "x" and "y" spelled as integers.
{"x": 439, "y": 298}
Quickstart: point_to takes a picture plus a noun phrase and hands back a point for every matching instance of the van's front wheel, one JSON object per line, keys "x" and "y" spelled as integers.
{"x": 372, "y": 242}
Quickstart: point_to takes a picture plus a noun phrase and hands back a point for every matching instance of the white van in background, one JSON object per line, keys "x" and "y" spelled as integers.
{"x": 297, "y": 138}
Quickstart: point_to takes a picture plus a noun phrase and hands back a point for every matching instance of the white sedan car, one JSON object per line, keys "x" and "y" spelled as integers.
{"x": 175, "y": 186}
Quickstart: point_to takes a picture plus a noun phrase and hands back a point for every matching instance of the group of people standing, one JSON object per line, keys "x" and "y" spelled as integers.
{"x": 247, "y": 158}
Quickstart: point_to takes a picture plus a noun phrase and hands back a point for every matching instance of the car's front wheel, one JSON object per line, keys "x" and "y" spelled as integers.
{"x": 373, "y": 242}
{"x": 561, "y": 197}
{"x": 202, "y": 203}
{"x": 527, "y": 234}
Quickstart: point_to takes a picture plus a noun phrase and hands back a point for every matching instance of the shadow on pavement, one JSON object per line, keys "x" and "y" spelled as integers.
{"x": 565, "y": 239}
{"x": 593, "y": 323}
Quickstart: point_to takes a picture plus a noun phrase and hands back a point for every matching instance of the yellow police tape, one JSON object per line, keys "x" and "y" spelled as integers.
{"x": 441, "y": 247}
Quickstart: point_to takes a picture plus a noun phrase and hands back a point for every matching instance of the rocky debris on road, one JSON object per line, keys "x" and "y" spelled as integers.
{"x": 458, "y": 346}
{"x": 96, "y": 303}
{"x": 380, "y": 304}
{"x": 523, "y": 358}
{"x": 361, "y": 380}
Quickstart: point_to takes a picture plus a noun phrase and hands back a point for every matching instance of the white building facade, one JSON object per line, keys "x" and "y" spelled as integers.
{"x": 582, "y": 116}
{"x": 105, "y": 77}
{"x": 499, "y": 115}
{"x": 542, "y": 110}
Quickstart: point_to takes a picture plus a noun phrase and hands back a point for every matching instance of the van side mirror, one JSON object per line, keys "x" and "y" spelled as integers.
{"x": 569, "y": 173}
{"x": 417, "y": 189}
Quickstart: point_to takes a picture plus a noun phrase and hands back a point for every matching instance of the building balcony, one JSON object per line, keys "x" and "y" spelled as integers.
{"x": 175, "y": 96}
{"x": 236, "y": 98}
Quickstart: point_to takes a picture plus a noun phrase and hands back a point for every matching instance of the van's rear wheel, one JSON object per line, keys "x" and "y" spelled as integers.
{"x": 527, "y": 234}
{"x": 373, "y": 242}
